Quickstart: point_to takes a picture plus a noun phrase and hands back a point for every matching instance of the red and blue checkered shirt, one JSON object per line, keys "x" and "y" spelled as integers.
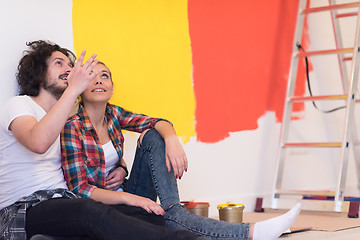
{"x": 83, "y": 158}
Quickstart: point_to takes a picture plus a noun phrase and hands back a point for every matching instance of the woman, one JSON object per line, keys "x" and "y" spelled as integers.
{"x": 93, "y": 167}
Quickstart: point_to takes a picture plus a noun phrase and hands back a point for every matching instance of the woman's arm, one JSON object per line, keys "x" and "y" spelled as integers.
{"x": 133, "y": 121}
{"x": 111, "y": 197}
{"x": 174, "y": 152}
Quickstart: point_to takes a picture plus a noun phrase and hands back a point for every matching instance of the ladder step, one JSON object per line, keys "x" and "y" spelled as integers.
{"x": 313, "y": 98}
{"x": 331, "y": 7}
{"x": 351, "y": 14}
{"x": 306, "y": 193}
{"x": 314, "y": 144}
{"x": 323, "y": 52}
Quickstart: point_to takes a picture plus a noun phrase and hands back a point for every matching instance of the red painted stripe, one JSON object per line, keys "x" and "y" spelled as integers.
{"x": 241, "y": 57}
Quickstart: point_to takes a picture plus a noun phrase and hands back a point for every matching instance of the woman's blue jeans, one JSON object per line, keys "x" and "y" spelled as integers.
{"x": 150, "y": 178}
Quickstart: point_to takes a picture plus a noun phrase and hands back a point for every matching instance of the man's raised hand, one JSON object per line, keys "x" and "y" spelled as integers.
{"x": 82, "y": 74}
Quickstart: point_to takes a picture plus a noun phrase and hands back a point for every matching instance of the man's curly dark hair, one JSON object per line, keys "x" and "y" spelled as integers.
{"x": 32, "y": 67}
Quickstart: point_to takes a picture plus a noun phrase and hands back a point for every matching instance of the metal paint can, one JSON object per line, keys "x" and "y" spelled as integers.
{"x": 231, "y": 212}
{"x": 198, "y": 208}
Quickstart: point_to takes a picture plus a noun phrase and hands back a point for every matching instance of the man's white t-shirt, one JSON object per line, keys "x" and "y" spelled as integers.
{"x": 23, "y": 172}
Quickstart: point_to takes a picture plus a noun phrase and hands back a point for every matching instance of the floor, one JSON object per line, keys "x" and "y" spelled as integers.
{"x": 314, "y": 225}
{"x": 346, "y": 234}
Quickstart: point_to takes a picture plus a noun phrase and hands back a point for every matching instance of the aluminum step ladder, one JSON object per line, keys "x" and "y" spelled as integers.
{"x": 350, "y": 89}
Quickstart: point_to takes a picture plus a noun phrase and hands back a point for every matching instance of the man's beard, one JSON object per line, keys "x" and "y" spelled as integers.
{"x": 55, "y": 90}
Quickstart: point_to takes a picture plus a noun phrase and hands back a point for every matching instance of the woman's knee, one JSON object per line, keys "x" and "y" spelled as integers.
{"x": 142, "y": 136}
{"x": 151, "y": 136}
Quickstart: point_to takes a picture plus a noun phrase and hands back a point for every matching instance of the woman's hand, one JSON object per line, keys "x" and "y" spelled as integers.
{"x": 115, "y": 179}
{"x": 174, "y": 152}
{"x": 111, "y": 197}
{"x": 145, "y": 203}
{"x": 175, "y": 155}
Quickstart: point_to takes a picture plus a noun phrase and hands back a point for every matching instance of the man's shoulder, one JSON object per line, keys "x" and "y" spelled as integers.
{"x": 23, "y": 99}
{"x": 14, "y": 107}
{"x": 16, "y": 103}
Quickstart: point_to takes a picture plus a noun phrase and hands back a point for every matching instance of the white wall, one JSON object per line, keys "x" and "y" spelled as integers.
{"x": 23, "y": 21}
{"x": 238, "y": 169}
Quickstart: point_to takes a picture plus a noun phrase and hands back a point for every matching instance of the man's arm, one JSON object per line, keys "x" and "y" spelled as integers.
{"x": 39, "y": 136}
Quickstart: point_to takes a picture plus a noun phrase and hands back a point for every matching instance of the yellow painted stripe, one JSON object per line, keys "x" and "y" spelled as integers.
{"x": 147, "y": 46}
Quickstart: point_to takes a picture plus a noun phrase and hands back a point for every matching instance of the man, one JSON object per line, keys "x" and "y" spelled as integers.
{"x": 33, "y": 195}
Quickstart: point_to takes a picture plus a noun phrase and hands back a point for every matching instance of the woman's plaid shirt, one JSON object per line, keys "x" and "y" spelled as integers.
{"x": 83, "y": 158}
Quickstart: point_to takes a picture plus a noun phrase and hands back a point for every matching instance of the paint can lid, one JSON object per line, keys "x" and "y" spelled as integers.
{"x": 230, "y": 205}
{"x": 192, "y": 204}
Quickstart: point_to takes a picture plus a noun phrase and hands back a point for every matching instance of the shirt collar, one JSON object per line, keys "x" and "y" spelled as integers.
{"x": 84, "y": 117}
